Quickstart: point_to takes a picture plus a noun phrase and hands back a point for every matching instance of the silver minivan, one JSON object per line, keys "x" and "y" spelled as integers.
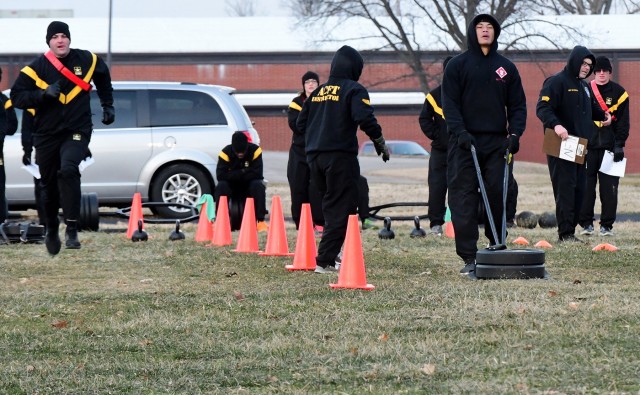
{"x": 164, "y": 144}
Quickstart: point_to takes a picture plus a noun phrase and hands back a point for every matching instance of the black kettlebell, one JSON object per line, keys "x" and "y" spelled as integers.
{"x": 417, "y": 231}
{"x": 176, "y": 234}
{"x": 139, "y": 234}
{"x": 386, "y": 233}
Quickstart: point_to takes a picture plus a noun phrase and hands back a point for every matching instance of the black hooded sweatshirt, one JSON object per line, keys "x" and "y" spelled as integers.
{"x": 331, "y": 115}
{"x": 567, "y": 100}
{"x": 483, "y": 93}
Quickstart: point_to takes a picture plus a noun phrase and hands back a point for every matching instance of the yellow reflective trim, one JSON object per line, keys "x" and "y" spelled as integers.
{"x": 435, "y": 105}
{"x": 295, "y": 106}
{"x": 366, "y": 101}
{"x": 224, "y": 156}
{"x": 257, "y": 153}
{"x": 34, "y": 76}
{"x": 7, "y": 104}
{"x": 32, "y": 111}
{"x": 598, "y": 123}
{"x": 545, "y": 98}
{"x": 621, "y": 100}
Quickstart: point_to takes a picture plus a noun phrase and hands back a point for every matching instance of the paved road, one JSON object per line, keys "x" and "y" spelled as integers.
{"x": 275, "y": 168}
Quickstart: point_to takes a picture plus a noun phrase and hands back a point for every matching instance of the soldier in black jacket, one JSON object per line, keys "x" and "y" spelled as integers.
{"x": 330, "y": 118}
{"x": 298, "y": 173}
{"x": 612, "y": 98}
{"x": 240, "y": 175}
{"x": 435, "y": 128}
{"x": 56, "y": 85}
{"x": 566, "y": 105}
{"x": 485, "y": 107}
{"x": 8, "y": 126}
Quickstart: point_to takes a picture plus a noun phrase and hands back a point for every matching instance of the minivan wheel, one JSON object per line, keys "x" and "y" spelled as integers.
{"x": 182, "y": 184}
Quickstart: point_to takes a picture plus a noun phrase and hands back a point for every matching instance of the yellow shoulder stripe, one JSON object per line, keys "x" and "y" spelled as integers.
{"x": 545, "y": 98}
{"x": 224, "y": 156}
{"x": 621, "y": 100}
{"x": 295, "y": 106}
{"x": 32, "y": 111}
{"x": 366, "y": 101}
{"x": 7, "y": 104}
{"x": 64, "y": 99}
{"x": 435, "y": 105}
{"x": 257, "y": 153}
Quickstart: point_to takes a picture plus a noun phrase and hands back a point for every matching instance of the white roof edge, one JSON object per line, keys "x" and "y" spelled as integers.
{"x": 283, "y": 99}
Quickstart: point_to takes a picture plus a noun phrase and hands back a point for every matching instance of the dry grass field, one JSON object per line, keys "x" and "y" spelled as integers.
{"x": 163, "y": 317}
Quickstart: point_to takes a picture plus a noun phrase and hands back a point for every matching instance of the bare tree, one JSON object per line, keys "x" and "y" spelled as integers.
{"x": 240, "y": 8}
{"x": 400, "y": 24}
{"x": 586, "y": 7}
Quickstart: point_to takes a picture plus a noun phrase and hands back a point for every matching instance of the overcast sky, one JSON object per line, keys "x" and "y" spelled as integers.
{"x": 145, "y": 8}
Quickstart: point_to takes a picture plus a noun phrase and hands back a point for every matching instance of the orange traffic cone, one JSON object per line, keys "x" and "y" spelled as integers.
{"x": 306, "y": 251}
{"x": 448, "y": 225}
{"x": 135, "y": 214}
{"x": 352, "y": 274}
{"x": 543, "y": 244}
{"x": 521, "y": 241}
{"x": 605, "y": 247}
{"x": 277, "y": 244}
{"x": 248, "y": 238}
{"x": 222, "y": 226}
{"x": 204, "y": 231}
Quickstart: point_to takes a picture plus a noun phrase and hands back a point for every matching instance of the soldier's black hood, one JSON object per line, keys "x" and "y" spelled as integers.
{"x": 472, "y": 37}
{"x": 578, "y": 53}
{"x": 347, "y": 63}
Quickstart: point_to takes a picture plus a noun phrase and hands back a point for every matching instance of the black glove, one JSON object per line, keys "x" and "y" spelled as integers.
{"x": 89, "y": 153}
{"x": 108, "y": 115}
{"x": 52, "y": 91}
{"x": 513, "y": 143}
{"x": 381, "y": 148}
{"x": 26, "y": 158}
{"x": 466, "y": 140}
{"x": 618, "y": 154}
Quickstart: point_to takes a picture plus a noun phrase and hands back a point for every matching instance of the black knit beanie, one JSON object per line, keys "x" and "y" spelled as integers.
{"x": 310, "y": 75}
{"x": 56, "y": 27}
{"x": 603, "y": 63}
{"x": 239, "y": 142}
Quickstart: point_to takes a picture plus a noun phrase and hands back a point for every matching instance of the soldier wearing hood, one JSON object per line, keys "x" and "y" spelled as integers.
{"x": 484, "y": 106}
{"x": 330, "y": 118}
{"x": 566, "y": 104}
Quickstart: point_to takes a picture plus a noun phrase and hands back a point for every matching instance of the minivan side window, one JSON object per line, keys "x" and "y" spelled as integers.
{"x": 184, "y": 108}
{"x": 124, "y": 103}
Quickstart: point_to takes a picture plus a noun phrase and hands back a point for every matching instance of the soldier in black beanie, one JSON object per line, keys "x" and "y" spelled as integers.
{"x": 57, "y": 86}
{"x": 298, "y": 175}
{"x": 607, "y": 140}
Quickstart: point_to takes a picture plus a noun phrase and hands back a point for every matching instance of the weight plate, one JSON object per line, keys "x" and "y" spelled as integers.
{"x": 236, "y": 209}
{"x": 93, "y": 213}
{"x": 514, "y": 256}
{"x": 509, "y": 271}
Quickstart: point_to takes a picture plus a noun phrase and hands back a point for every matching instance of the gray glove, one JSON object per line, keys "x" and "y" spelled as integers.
{"x": 381, "y": 148}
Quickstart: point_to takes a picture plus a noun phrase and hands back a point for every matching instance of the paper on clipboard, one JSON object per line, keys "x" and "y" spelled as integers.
{"x": 612, "y": 168}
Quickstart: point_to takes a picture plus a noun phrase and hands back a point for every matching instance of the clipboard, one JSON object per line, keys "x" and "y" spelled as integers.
{"x": 573, "y": 149}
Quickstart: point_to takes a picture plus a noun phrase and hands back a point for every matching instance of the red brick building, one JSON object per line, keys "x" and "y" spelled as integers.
{"x": 280, "y": 72}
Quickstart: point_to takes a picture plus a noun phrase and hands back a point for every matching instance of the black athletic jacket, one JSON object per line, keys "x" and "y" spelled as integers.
{"x": 331, "y": 115}
{"x": 233, "y": 169}
{"x": 567, "y": 100}
{"x": 292, "y": 114}
{"x": 483, "y": 94}
{"x": 432, "y": 120}
{"x": 72, "y": 110}
{"x": 616, "y": 134}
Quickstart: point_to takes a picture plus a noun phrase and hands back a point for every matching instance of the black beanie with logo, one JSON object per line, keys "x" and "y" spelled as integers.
{"x": 310, "y": 75}
{"x": 603, "y": 63}
{"x": 56, "y": 27}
